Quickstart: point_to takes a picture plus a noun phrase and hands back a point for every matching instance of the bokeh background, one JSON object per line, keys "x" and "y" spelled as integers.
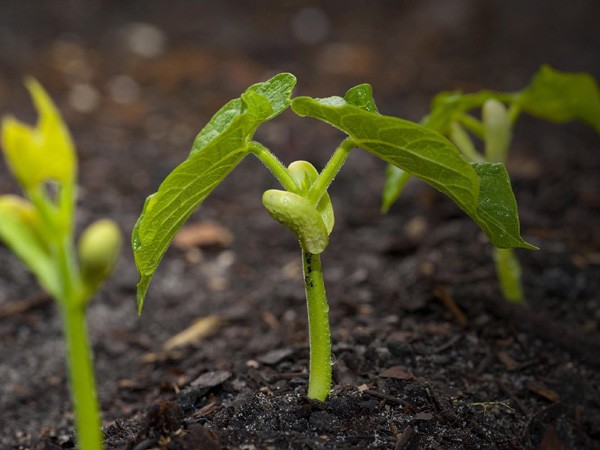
{"x": 137, "y": 79}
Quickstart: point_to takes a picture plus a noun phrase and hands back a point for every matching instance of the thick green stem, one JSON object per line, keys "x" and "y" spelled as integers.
{"x": 333, "y": 166}
{"x": 473, "y": 125}
{"x": 73, "y": 302}
{"x": 81, "y": 374}
{"x": 319, "y": 383}
{"x": 508, "y": 270}
{"x": 275, "y": 166}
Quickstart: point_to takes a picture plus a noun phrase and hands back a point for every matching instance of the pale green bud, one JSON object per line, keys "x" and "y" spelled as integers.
{"x": 498, "y": 130}
{"x": 99, "y": 248}
{"x": 300, "y": 217}
{"x": 304, "y": 174}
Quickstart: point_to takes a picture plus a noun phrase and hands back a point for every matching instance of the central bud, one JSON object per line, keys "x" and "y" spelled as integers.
{"x": 311, "y": 224}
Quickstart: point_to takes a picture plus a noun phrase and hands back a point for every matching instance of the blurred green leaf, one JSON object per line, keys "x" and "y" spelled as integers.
{"x": 448, "y": 107}
{"x": 562, "y": 97}
{"x": 22, "y": 231}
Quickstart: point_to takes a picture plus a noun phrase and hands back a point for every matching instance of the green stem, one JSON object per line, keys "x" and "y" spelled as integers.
{"x": 83, "y": 386}
{"x": 73, "y": 302}
{"x": 327, "y": 175}
{"x": 514, "y": 111}
{"x": 319, "y": 383}
{"x": 473, "y": 125}
{"x": 275, "y": 166}
{"x": 508, "y": 270}
{"x": 461, "y": 139}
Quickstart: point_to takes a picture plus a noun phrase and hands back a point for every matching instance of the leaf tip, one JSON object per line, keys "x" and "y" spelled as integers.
{"x": 142, "y": 288}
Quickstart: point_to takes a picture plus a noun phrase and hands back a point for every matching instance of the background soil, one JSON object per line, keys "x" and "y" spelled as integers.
{"x": 136, "y": 80}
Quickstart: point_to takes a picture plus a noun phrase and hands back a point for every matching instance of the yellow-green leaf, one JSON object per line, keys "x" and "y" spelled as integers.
{"x": 41, "y": 153}
{"x": 22, "y": 231}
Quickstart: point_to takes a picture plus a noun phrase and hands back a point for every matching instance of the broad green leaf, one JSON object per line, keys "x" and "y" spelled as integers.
{"x": 427, "y": 155}
{"x": 41, "y": 153}
{"x": 22, "y": 231}
{"x": 497, "y": 207}
{"x": 217, "y": 149}
{"x": 562, "y": 97}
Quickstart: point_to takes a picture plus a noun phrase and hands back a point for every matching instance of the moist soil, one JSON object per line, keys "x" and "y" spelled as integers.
{"x": 426, "y": 352}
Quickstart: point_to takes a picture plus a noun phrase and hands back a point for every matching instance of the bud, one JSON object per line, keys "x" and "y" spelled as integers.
{"x": 498, "y": 133}
{"x": 305, "y": 174}
{"x": 300, "y": 217}
{"x": 99, "y": 248}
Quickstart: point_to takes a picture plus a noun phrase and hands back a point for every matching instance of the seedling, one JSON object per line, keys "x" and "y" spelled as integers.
{"x": 482, "y": 190}
{"x": 551, "y": 95}
{"x": 39, "y": 230}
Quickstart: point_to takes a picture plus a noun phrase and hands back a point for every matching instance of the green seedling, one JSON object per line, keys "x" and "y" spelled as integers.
{"x": 39, "y": 229}
{"x": 482, "y": 190}
{"x": 551, "y": 95}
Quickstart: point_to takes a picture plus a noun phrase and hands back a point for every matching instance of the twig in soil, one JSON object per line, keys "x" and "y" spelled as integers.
{"x": 404, "y": 441}
{"x": 24, "y": 305}
{"x": 389, "y": 398}
{"x": 446, "y": 345}
{"x": 585, "y": 346}
{"x": 442, "y": 294}
{"x": 514, "y": 398}
{"x": 200, "y": 329}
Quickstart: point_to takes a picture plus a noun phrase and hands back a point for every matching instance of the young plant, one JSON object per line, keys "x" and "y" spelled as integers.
{"x": 39, "y": 230}
{"x": 551, "y": 95}
{"x": 482, "y": 190}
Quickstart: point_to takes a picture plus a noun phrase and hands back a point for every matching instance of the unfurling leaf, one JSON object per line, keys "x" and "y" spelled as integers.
{"x": 217, "y": 149}
{"x": 41, "y": 153}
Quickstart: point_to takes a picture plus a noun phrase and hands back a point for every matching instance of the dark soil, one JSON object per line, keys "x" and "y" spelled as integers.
{"x": 427, "y": 355}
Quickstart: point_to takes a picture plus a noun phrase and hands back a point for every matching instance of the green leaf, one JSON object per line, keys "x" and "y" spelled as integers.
{"x": 427, "y": 155}
{"x": 562, "y": 97}
{"x": 497, "y": 207}
{"x": 21, "y": 229}
{"x": 362, "y": 96}
{"x": 41, "y": 153}
{"x": 217, "y": 149}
